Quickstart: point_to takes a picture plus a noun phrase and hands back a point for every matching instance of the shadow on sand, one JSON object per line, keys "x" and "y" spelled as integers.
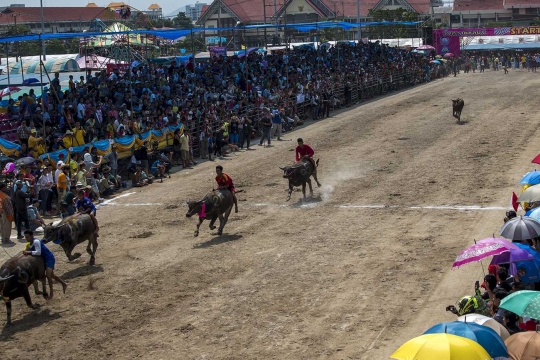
{"x": 218, "y": 240}
{"x": 82, "y": 271}
{"x": 33, "y": 319}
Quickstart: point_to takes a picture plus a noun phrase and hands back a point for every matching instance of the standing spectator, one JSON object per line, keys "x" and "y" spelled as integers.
{"x": 34, "y": 219}
{"x": 23, "y": 133}
{"x": 205, "y": 131}
{"x": 6, "y": 215}
{"x": 246, "y": 133}
{"x": 62, "y": 184}
{"x": 277, "y": 121}
{"x": 79, "y": 134}
{"x": 143, "y": 156}
{"x": 184, "y": 148}
{"x": 20, "y": 208}
{"x": 112, "y": 157}
{"x": 266, "y": 124}
{"x": 45, "y": 189}
{"x": 233, "y": 133}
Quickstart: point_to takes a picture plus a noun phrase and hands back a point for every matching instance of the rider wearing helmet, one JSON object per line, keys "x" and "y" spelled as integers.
{"x": 469, "y": 305}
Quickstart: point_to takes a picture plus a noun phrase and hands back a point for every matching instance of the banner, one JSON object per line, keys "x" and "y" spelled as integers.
{"x": 217, "y": 51}
{"x": 121, "y": 67}
{"x": 464, "y": 32}
{"x": 445, "y": 44}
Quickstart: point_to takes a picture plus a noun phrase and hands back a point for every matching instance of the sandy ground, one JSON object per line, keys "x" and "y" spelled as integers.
{"x": 352, "y": 274}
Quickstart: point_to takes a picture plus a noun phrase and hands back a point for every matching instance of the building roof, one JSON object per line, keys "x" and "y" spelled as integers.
{"x": 117, "y": 4}
{"x": 91, "y": 5}
{"x": 154, "y": 7}
{"x": 61, "y": 14}
{"x": 508, "y": 4}
{"x": 203, "y": 9}
{"x": 478, "y": 5}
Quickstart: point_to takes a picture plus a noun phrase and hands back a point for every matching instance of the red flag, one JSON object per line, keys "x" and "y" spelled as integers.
{"x": 515, "y": 203}
{"x": 536, "y": 160}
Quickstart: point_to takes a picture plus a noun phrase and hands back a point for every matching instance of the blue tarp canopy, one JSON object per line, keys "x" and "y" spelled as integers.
{"x": 178, "y": 33}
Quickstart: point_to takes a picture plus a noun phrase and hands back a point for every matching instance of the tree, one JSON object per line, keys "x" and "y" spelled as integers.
{"x": 392, "y": 30}
{"x": 182, "y": 21}
{"x": 55, "y": 47}
{"x": 28, "y": 48}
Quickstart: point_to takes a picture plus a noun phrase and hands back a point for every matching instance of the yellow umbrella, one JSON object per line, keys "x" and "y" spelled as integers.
{"x": 443, "y": 60}
{"x": 440, "y": 347}
{"x": 438, "y": 57}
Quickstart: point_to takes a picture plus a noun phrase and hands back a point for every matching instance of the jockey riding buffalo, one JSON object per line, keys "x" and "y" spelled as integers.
{"x": 217, "y": 204}
{"x": 72, "y": 231}
{"x": 16, "y": 275}
{"x": 299, "y": 174}
{"x": 457, "y": 107}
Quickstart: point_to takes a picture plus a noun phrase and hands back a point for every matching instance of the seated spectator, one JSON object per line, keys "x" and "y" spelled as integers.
{"x": 138, "y": 180}
{"x": 511, "y": 322}
{"x": 158, "y": 169}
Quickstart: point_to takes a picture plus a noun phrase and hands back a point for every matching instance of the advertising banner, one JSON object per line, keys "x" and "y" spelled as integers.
{"x": 217, "y": 51}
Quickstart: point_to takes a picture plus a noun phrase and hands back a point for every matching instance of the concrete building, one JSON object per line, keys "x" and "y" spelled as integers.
{"x": 194, "y": 11}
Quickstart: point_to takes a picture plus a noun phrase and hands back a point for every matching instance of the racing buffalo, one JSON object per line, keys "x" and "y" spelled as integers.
{"x": 72, "y": 231}
{"x": 16, "y": 275}
{"x": 299, "y": 174}
{"x": 217, "y": 204}
{"x": 457, "y": 107}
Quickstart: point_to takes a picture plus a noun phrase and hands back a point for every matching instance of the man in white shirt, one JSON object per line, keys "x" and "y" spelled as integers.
{"x": 45, "y": 184}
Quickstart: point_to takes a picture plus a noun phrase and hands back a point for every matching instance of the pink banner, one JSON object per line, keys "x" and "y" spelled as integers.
{"x": 445, "y": 44}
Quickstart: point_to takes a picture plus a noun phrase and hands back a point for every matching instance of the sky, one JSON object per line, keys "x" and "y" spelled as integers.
{"x": 168, "y": 6}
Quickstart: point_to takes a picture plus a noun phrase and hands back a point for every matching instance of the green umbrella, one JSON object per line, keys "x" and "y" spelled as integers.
{"x": 524, "y": 303}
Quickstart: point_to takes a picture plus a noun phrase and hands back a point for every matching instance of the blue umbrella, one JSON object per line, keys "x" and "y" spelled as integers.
{"x": 531, "y": 178}
{"x": 528, "y": 271}
{"x": 30, "y": 81}
{"x": 534, "y": 213}
{"x": 486, "y": 337}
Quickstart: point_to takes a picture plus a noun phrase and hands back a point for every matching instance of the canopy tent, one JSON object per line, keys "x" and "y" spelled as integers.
{"x": 60, "y": 64}
{"x": 178, "y": 33}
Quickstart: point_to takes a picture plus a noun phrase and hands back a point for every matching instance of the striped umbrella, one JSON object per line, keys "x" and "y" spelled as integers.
{"x": 521, "y": 228}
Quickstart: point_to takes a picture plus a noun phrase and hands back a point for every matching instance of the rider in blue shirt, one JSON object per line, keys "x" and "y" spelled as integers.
{"x": 85, "y": 206}
{"x": 36, "y": 247}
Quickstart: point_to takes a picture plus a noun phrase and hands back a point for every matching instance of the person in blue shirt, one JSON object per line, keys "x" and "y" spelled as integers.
{"x": 85, "y": 206}
{"x": 157, "y": 169}
{"x": 36, "y": 247}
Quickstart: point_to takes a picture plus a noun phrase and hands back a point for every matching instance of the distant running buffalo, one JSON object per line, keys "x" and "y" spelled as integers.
{"x": 298, "y": 175}
{"x": 457, "y": 107}
{"x": 217, "y": 204}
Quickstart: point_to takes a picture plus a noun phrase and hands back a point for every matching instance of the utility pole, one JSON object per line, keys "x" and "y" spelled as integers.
{"x": 219, "y": 22}
{"x": 359, "y": 35}
{"x": 264, "y": 14}
{"x": 275, "y": 16}
{"x": 42, "y": 32}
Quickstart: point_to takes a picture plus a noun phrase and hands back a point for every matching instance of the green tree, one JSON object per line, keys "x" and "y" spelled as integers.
{"x": 182, "y": 21}
{"x": 28, "y": 48}
{"x": 55, "y": 47}
{"x": 393, "y": 30}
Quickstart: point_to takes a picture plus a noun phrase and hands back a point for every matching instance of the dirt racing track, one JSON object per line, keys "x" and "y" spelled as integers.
{"x": 352, "y": 274}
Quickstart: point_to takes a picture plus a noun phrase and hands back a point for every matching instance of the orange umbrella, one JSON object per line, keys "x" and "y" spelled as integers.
{"x": 524, "y": 345}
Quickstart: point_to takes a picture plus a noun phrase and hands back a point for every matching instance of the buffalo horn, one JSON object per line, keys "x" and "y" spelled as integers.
{"x": 281, "y": 168}
{"x": 6, "y": 278}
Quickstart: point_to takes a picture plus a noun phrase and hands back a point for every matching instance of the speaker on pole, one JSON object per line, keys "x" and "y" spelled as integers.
{"x": 428, "y": 35}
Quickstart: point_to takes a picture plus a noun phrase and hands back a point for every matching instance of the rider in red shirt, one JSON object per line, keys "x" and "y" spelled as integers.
{"x": 304, "y": 151}
{"x": 224, "y": 181}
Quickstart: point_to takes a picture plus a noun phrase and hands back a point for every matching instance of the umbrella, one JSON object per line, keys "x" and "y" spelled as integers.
{"x": 25, "y": 161}
{"x": 449, "y": 55}
{"x": 486, "y": 337}
{"x": 524, "y": 303}
{"x": 530, "y": 194}
{"x": 483, "y": 249}
{"x": 513, "y": 255}
{"x": 440, "y": 347}
{"x": 521, "y": 228}
{"x": 524, "y": 345}
{"x": 9, "y": 90}
{"x": 534, "y": 214}
{"x": 438, "y": 57}
{"x": 30, "y": 81}
{"x": 425, "y": 47}
{"x": 486, "y": 322}
{"x": 527, "y": 270}
{"x": 435, "y": 62}
{"x": 443, "y": 60}
{"x": 536, "y": 160}
{"x": 531, "y": 178}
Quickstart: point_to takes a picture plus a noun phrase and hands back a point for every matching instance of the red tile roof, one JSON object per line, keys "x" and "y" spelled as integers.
{"x": 203, "y": 9}
{"x": 421, "y": 7}
{"x": 508, "y": 4}
{"x": 478, "y": 5}
{"x": 33, "y": 14}
{"x": 249, "y": 10}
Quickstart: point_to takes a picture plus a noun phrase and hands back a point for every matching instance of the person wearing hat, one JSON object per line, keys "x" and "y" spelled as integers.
{"x": 36, "y": 143}
{"x": 6, "y": 215}
{"x": 62, "y": 183}
{"x": 34, "y": 218}
{"x": 20, "y": 208}
{"x": 68, "y": 139}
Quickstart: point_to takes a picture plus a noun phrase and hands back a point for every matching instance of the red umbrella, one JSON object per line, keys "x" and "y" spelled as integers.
{"x": 536, "y": 160}
{"x": 9, "y": 90}
{"x": 449, "y": 55}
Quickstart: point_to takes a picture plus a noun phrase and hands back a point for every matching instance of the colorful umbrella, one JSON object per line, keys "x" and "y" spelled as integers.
{"x": 528, "y": 270}
{"x": 449, "y": 55}
{"x": 534, "y": 213}
{"x": 435, "y": 62}
{"x": 425, "y": 47}
{"x": 440, "y": 347}
{"x": 524, "y": 345}
{"x": 531, "y": 178}
{"x": 513, "y": 255}
{"x": 438, "y": 57}
{"x": 9, "y": 90}
{"x": 521, "y": 228}
{"x": 536, "y": 160}
{"x": 486, "y": 322}
{"x": 483, "y": 249}
{"x": 486, "y": 337}
{"x": 524, "y": 303}
{"x": 530, "y": 194}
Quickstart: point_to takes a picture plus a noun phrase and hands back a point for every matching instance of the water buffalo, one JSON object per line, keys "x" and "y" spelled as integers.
{"x": 299, "y": 174}
{"x": 72, "y": 231}
{"x": 16, "y": 275}
{"x": 457, "y": 107}
{"x": 217, "y": 204}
